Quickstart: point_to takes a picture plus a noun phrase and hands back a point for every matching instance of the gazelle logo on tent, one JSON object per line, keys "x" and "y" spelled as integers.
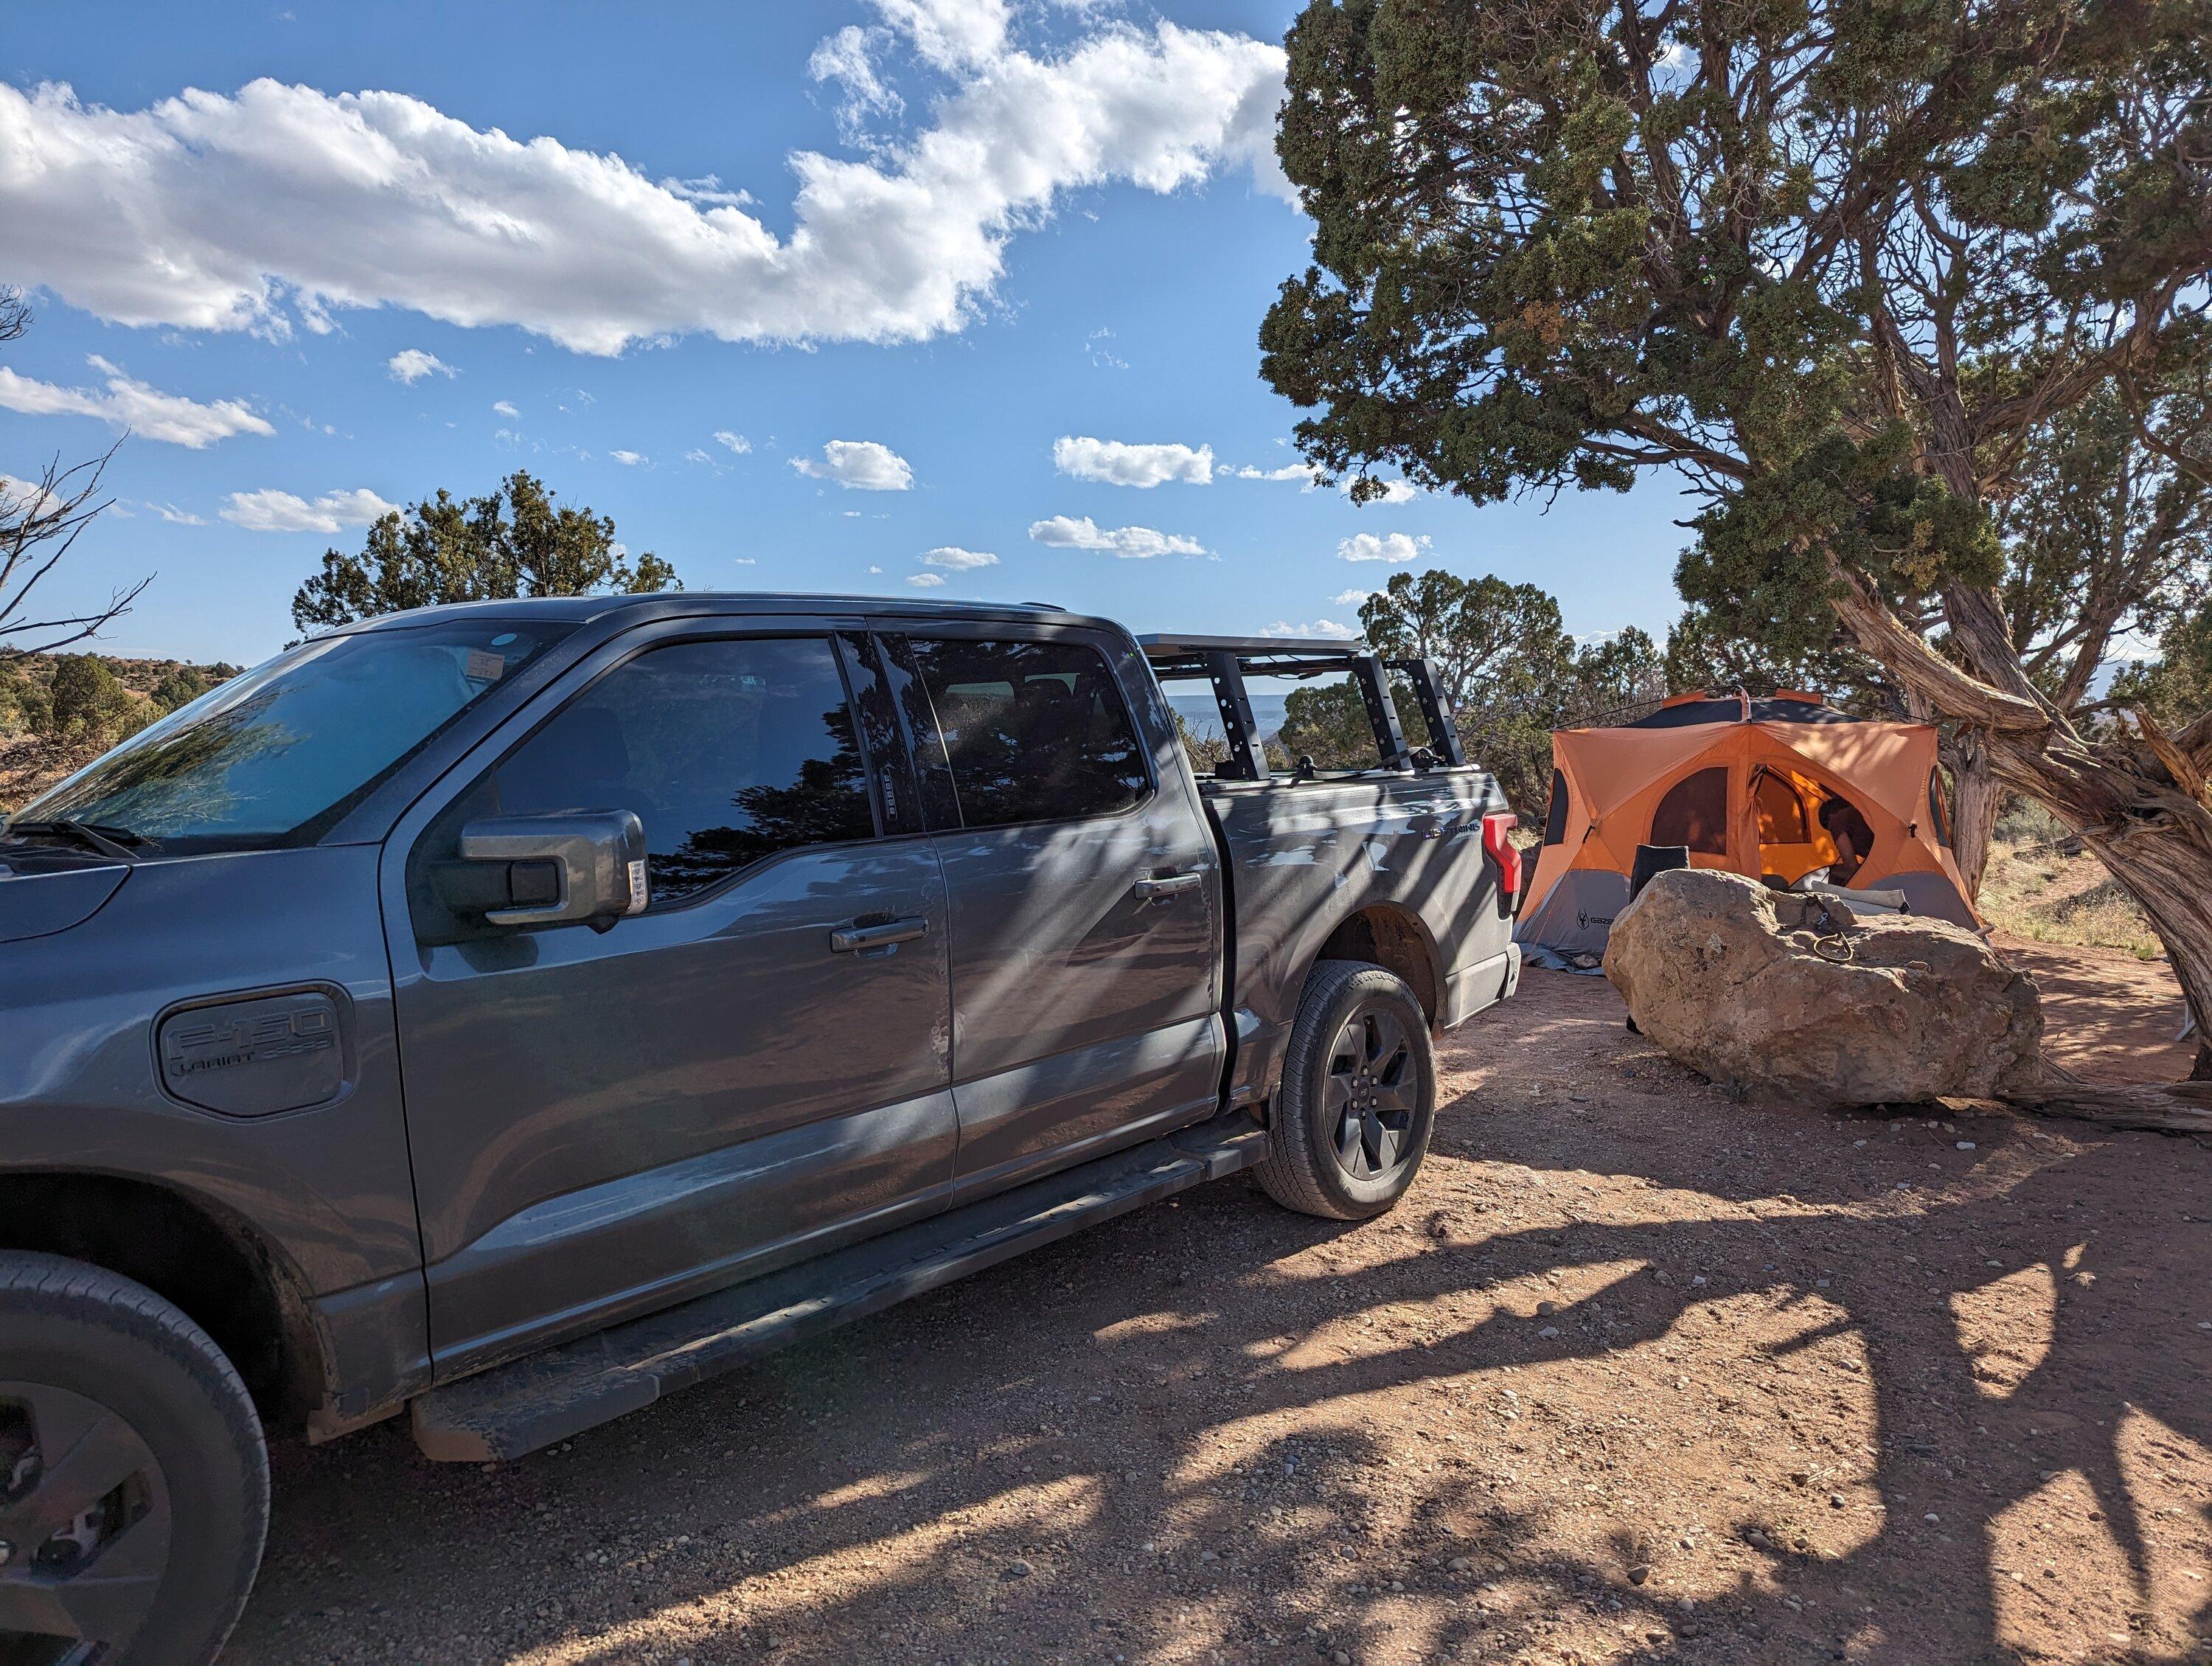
{"x": 1585, "y": 919}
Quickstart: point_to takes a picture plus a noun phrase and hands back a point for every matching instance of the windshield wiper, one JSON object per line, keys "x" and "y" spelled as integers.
{"x": 106, "y": 840}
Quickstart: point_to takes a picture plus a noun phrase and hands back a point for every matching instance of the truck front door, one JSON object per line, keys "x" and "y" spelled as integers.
{"x": 752, "y": 1067}
{"x": 1085, "y": 893}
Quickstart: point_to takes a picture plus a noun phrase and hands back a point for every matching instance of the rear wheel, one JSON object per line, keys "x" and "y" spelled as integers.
{"x": 134, "y": 1486}
{"x": 1358, "y": 1102}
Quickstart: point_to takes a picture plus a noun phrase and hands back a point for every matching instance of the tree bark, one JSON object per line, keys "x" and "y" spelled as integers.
{"x": 2140, "y": 805}
{"x": 1976, "y": 799}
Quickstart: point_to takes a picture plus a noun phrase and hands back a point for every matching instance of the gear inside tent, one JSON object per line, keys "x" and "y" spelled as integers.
{"x": 1786, "y": 790}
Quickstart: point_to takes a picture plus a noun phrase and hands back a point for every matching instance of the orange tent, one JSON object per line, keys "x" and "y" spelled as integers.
{"x": 1772, "y": 788}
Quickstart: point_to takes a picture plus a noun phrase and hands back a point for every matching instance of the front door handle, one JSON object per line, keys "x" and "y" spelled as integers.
{"x": 1149, "y": 889}
{"x": 853, "y": 939}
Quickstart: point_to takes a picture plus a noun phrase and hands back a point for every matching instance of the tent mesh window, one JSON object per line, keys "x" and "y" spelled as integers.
{"x": 1555, "y": 817}
{"x": 1694, "y": 814}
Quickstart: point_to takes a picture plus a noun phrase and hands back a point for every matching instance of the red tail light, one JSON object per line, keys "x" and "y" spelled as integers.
{"x": 1500, "y": 849}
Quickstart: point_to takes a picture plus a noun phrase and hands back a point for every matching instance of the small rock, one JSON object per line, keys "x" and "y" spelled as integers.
{"x": 1835, "y": 1500}
{"x": 1638, "y": 1574}
{"x": 1458, "y": 1565}
{"x": 1548, "y": 1332}
{"x": 1016, "y": 1570}
{"x": 1545, "y": 1309}
{"x": 1800, "y": 1478}
{"x": 1209, "y": 1555}
{"x": 1965, "y": 1144}
{"x": 1340, "y": 1658}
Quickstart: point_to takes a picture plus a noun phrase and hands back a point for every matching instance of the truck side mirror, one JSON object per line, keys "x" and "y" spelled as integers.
{"x": 585, "y": 866}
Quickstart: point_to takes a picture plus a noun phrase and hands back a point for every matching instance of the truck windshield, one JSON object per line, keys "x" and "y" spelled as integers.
{"x": 277, "y": 755}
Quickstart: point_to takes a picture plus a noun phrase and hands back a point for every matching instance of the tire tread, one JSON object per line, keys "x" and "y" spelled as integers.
{"x": 1291, "y": 1173}
{"x": 79, "y": 1293}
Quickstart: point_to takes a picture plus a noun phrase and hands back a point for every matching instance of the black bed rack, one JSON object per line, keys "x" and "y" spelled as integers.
{"x": 1226, "y": 662}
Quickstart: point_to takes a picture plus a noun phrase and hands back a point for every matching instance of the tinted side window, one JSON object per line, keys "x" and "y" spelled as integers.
{"x": 728, "y": 753}
{"x": 1034, "y": 730}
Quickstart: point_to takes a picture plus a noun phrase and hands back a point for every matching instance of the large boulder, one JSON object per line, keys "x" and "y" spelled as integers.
{"x": 1742, "y": 983}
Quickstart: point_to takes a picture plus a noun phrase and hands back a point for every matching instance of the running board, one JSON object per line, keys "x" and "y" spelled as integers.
{"x": 521, "y": 1408}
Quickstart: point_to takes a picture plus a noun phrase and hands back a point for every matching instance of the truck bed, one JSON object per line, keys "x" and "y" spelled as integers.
{"x": 1311, "y": 864}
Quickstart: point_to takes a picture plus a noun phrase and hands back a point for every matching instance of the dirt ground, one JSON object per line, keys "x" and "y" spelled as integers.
{"x": 1637, "y": 1372}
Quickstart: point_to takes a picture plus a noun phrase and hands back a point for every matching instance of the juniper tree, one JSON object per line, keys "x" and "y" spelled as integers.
{"x": 517, "y": 541}
{"x": 1836, "y": 263}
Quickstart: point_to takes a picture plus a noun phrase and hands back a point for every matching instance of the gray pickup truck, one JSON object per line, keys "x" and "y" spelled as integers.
{"x": 510, "y": 1014}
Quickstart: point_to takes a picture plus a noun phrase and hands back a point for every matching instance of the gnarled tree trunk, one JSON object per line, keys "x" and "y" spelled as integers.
{"x": 1976, "y": 799}
{"x": 2140, "y": 802}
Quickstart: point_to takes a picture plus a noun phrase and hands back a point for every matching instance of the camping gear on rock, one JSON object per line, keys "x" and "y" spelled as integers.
{"x": 1774, "y": 789}
{"x": 1654, "y": 859}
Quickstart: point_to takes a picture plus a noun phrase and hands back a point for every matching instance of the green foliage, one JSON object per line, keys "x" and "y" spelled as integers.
{"x": 1834, "y": 262}
{"x": 1508, "y": 668}
{"x": 2176, "y": 687}
{"x": 180, "y": 687}
{"x": 85, "y": 704}
{"x": 515, "y": 542}
{"x": 1327, "y": 722}
{"x": 1712, "y": 648}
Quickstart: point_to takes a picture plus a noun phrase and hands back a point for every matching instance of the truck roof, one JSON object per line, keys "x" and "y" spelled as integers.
{"x": 682, "y": 604}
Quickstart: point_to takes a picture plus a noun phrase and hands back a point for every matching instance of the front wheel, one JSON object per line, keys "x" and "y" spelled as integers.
{"x": 134, "y": 1486}
{"x": 1358, "y": 1097}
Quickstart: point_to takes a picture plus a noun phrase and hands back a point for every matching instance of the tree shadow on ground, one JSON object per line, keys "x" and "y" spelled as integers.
{"x": 1216, "y": 1431}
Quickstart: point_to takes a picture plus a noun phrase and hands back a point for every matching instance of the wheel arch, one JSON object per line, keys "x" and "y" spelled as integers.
{"x": 189, "y": 1249}
{"x": 1393, "y": 937}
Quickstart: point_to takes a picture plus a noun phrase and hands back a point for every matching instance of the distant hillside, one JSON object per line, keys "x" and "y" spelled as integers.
{"x": 59, "y": 711}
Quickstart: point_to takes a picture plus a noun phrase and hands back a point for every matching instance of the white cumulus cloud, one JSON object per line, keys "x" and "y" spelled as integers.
{"x": 1130, "y": 542}
{"x": 271, "y": 511}
{"x": 1119, "y": 463}
{"x": 736, "y": 443}
{"x": 959, "y": 560}
{"x": 1350, "y": 597}
{"x": 410, "y": 364}
{"x": 926, "y": 580}
{"x": 1318, "y": 627}
{"x": 505, "y": 407}
{"x": 277, "y": 203}
{"x": 1299, "y": 471}
{"x": 1396, "y": 548}
{"x": 628, "y": 459}
{"x": 125, "y": 402}
{"x": 858, "y": 464}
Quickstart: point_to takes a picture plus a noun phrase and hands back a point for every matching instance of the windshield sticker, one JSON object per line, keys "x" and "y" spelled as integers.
{"x": 483, "y": 667}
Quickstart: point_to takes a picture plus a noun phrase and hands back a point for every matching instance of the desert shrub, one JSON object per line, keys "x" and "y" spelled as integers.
{"x": 2023, "y": 821}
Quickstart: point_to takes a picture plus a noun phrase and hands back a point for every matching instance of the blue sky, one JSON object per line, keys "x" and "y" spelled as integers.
{"x": 1022, "y": 223}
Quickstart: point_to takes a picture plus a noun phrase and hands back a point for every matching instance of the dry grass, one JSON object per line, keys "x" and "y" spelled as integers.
{"x": 2031, "y": 891}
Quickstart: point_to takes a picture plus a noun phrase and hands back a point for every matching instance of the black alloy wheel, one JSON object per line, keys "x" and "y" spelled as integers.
{"x": 84, "y": 1528}
{"x": 1373, "y": 1094}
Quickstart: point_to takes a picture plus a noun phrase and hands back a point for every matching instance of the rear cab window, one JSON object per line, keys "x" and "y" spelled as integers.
{"x": 1029, "y": 731}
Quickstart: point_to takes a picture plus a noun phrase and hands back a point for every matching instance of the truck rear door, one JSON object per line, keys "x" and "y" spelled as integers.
{"x": 1084, "y": 888}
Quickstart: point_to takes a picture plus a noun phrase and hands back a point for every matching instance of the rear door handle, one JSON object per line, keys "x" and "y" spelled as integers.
{"x": 1149, "y": 889}
{"x": 851, "y": 939}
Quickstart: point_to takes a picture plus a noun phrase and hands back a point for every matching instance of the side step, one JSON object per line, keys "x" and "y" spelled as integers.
{"x": 521, "y": 1408}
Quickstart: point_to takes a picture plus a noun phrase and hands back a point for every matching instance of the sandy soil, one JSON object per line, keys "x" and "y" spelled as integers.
{"x": 1637, "y": 1372}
